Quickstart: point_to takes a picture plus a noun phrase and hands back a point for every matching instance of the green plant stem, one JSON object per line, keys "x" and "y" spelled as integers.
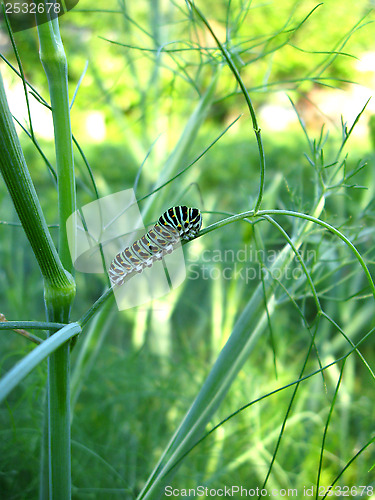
{"x": 29, "y": 336}
{"x": 329, "y": 490}
{"x": 95, "y": 307}
{"x": 59, "y": 423}
{"x": 310, "y": 218}
{"x": 197, "y": 158}
{"x": 52, "y": 56}
{"x": 20, "y": 67}
{"x": 183, "y": 146}
{"x": 21, "y": 189}
{"x": 325, "y": 432}
{"x": 35, "y": 357}
{"x": 31, "y": 325}
{"x": 44, "y": 455}
{"x": 59, "y": 288}
{"x": 236, "y": 74}
{"x": 276, "y": 391}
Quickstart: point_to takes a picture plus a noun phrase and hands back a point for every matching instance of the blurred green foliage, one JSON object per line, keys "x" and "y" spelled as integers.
{"x": 152, "y": 361}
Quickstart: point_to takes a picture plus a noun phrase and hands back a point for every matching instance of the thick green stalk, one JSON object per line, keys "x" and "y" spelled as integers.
{"x": 52, "y": 56}
{"x": 59, "y": 424}
{"x": 59, "y": 289}
{"x": 21, "y": 189}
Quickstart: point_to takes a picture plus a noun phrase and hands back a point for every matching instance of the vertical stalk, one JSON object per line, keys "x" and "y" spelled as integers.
{"x": 59, "y": 424}
{"x": 44, "y": 458}
{"x": 53, "y": 58}
{"x": 59, "y": 292}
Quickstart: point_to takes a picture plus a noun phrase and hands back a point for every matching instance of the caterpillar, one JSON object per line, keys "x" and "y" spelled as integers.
{"x": 176, "y": 223}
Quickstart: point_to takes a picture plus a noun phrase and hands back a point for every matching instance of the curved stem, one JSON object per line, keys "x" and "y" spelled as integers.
{"x": 291, "y": 213}
{"x": 22, "y": 191}
{"x": 245, "y": 93}
{"x": 90, "y": 313}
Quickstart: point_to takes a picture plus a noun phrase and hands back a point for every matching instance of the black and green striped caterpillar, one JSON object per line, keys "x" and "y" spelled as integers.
{"x": 176, "y": 223}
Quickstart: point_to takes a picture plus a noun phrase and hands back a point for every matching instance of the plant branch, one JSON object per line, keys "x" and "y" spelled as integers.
{"x": 22, "y": 191}
{"x": 35, "y": 357}
{"x": 53, "y": 58}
